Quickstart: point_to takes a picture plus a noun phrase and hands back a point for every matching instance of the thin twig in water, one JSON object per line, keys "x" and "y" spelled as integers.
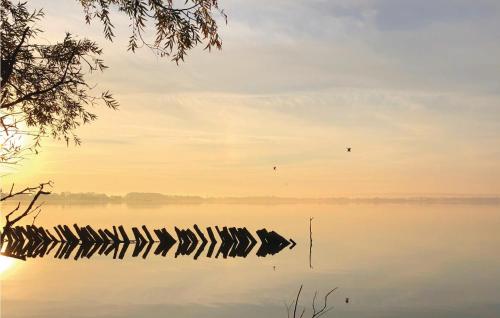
{"x": 296, "y": 302}
{"x": 315, "y": 312}
{"x": 310, "y": 242}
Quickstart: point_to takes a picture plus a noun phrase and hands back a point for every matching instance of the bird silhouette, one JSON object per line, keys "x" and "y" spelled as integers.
{"x": 347, "y": 300}
{"x": 274, "y": 168}
{"x": 348, "y": 149}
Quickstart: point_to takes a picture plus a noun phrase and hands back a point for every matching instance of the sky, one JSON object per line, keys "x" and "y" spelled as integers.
{"x": 412, "y": 86}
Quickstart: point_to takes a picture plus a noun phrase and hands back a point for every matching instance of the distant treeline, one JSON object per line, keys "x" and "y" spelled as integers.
{"x": 158, "y": 198}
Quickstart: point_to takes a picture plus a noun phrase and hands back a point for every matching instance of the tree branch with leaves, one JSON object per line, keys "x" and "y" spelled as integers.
{"x": 44, "y": 87}
{"x": 177, "y": 29}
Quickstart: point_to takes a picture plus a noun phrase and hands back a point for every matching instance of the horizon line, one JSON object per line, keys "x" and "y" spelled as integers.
{"x": 271, "y": 196}
{"x": 159, "y": 198}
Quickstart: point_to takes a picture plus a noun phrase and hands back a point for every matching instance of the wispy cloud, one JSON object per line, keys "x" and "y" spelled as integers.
{"x": 413, "y": 86}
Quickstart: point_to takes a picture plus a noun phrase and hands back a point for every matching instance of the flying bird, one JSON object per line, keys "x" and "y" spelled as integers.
{"x": 274, "y": 168}
{"x": 348, "y": 149}
{"x": 347, "y": 300}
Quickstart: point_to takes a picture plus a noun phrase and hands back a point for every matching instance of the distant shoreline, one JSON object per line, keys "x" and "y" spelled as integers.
{"x": 139, "y": 198}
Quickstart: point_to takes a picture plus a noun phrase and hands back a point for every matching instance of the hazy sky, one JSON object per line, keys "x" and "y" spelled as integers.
{"x": 412, "y": 86}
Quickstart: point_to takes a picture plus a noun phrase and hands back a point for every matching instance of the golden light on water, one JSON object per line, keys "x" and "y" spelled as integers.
{"x": 5, "y": 264}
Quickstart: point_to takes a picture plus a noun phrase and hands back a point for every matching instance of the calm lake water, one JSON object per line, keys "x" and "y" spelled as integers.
{"x": 391, "y": 260}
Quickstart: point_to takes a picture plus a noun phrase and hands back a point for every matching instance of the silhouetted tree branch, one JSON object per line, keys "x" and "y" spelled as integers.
{"x": 34, "y": 194}
{"x": 44, "y": 89}
{"x": 176, "y": 29}
{"x": 43, "y": 86}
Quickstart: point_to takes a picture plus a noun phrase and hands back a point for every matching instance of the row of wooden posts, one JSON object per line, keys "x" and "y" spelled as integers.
{"x": 36, "y": 241}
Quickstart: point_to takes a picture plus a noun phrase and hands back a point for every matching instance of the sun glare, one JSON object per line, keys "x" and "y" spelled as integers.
{"x": 5, "y": 264}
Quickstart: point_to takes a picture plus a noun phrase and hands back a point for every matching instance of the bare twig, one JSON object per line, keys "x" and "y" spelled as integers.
{"x": 296, "y": 302}
{"x": 288, "y": 307}
{"x": 310, "y": 242}
{"x": 316, "y": 313}
{"x": 31, "y": 208}
{"x": 325, "y": 307}
{"x": 34, "y": 218}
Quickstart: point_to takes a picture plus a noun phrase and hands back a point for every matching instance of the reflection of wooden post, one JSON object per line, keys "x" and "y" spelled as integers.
{"x": 310, "y": 242}
{"x": 125, "y": 238}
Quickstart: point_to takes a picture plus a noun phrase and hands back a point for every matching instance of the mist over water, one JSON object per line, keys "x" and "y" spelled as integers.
{"x": 391, "y": 260}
